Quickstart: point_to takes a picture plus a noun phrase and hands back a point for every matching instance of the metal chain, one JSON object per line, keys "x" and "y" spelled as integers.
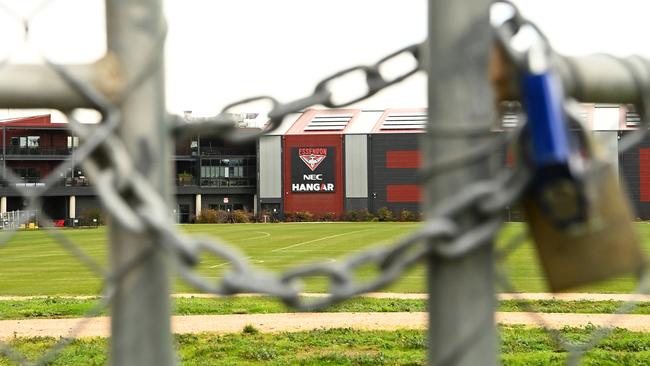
{"x": 375, "y": 80}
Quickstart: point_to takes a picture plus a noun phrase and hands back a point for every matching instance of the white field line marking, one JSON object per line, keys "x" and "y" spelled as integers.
{"x": 315, "y": 240}
{"x": 264, "y": 235}
{"x": 225, "y": 264}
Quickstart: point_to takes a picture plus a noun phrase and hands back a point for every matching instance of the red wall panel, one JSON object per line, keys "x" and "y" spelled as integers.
{"x": 318, "y": 203}
{"x": 644, "y": 175}
{"x": 403, "y": 193}
{"x": 396, "y": 159}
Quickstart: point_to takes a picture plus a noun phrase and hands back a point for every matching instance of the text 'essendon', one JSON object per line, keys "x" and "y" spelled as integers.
{"x": 312, "y": 151}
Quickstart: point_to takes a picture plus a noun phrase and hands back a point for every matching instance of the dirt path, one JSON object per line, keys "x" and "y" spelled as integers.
{"x": 99, "y": 327}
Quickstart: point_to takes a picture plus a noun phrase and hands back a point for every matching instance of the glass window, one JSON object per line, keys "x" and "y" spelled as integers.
{"x": 73, "y": 141}
{"x": 32, "y": 141}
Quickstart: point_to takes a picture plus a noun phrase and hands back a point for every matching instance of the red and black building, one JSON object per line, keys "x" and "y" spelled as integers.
{"x": 333, "y": 161}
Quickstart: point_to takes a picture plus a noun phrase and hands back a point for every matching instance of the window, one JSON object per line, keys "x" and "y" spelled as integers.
{"x": 32, "y": 141}
{"x": 73, "y": 141}
{"x": 28, "y": 174}
{"x": 26, "y": 141}
{"x": 227, "y": 171}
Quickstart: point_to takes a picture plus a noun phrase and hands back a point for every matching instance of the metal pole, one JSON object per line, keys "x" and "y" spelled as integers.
{"x": 595, "y": 79}
{"x": 30, "y": 86}
{"x": 140, "y": 323}
{"x": 461, "y": 292}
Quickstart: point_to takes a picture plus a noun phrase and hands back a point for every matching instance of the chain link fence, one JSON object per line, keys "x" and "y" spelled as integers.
{"x": 125, "y": 156}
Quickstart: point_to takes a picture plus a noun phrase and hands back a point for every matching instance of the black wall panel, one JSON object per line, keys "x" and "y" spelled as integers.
{"x": 380, "y": 176}
{"x": 630, "y": 176}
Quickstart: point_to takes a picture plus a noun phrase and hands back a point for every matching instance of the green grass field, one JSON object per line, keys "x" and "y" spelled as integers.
{"x": 33, "y": 263}
{"x": 66, "y": 307}
{"x": 519, "y": 346}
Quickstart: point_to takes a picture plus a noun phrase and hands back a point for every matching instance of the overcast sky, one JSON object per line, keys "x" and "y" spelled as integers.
{"x": 221, "y": 51}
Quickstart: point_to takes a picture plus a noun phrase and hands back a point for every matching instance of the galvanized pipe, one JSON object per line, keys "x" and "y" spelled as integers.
{"x": 39, "y": 86}
{"x": 596, "y": 79}
{"x": 140, "y": 322}
{"x": 461, "y": 291}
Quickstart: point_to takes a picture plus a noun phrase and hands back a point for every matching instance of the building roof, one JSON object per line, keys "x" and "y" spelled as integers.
{"x": 40, "y": 121}
{"x": 597, "y": 117}
{"x": 324, "y": 122}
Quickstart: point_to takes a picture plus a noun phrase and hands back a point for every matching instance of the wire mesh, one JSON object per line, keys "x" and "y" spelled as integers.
{"x": 134, "y": 205}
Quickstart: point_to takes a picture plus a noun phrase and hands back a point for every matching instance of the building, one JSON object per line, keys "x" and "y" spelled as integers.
{"x": 333, "y": 161}
{"x": 32, "y": 148}
{"x": 214, "y": 174}
{"x": 210, "y": 173}
{"x": 326, "y": 162}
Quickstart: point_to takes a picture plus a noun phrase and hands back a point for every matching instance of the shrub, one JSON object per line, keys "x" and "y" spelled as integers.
{"x": 210, "y": 216}
{"x": 299, "y": 216}
{"x": 304, "y": 216}
{"x": 241, "y": 216}
{"x": 250, "y": 329}
{"x": 358, "y": 216}
{"x": 384, "y": 214}
{"x": 350, "y": 216}
{"x": 207, "y": 216}
{"x": 365, "y": 215}
{"x": 328, "y": 216}
{"x": 224, "y": 217}
{"x": 86, "y": 218}
{"x": 290, "y": 216}
{"x": 407, "y": 215}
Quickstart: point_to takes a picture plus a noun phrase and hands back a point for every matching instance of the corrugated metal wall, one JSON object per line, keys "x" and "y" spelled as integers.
{"x": 356, "y": 172}
{"x": 634, "y": 167}
{"x": 270, "y": 165}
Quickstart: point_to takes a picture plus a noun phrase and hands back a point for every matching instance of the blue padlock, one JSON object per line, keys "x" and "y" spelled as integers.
{"x": 557, "y": 179}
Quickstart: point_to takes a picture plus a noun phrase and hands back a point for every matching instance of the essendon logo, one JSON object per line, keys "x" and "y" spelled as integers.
{"x": 312, "y": 157}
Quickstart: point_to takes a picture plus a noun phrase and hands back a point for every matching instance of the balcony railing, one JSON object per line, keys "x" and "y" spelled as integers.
{"x": 17, "y": 150}
{"x": 219, "y": 151}
{"x": 36, "y": 182}
{"x": 186, "y": 181}
{"x": 76, "y": 182}
{"x": 227, "y": 182}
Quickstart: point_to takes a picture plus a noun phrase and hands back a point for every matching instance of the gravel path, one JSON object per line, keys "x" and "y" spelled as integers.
{"x": 290, "y": 322}
{"x": 99, "y": 326}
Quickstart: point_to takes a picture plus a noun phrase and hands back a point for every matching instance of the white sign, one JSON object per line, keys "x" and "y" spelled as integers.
{"x": 225, "y": 200}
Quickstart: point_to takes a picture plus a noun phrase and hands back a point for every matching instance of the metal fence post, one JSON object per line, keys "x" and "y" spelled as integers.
{"x": 461, "y": 292}
{"x": 140, "y": 323}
